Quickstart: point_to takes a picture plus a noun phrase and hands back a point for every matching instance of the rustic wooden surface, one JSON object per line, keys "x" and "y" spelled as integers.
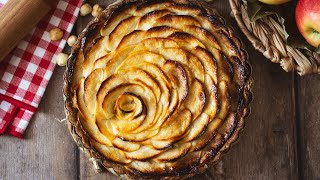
{"x": 280, "y": 140}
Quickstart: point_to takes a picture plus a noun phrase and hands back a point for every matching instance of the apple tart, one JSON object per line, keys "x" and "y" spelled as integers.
{"x": 157, "y": 89}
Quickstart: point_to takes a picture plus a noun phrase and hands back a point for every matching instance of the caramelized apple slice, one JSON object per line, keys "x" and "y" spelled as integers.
{"x": 94, "y": 131}
{"x": 91, "y": 87}
{"x": 184, "y": 10}
{"x": 143, "y": 153}
{"x": 77, "y": 72}
{"x": 198, "y": 127}
{"x": 170, "y": 20}
{"x": 174, "y": 152}
{"x": 175, "y": 126}
{"x": 196, "y": 99}
{"x": 125, "y": 27}
{"x": 111, "y": 153}
{"x": 178, "y": 78}
{"x": 224, "y": 98}
{"x": 147, "y": 166}
{"x": 211, "y": 106}
{"x": 125, "y": 145}
{"x": 82, "y": 104}
{"x": 137, "y": 36}
{"x": 146, "y": 21}
{"x": 207, "y": 136}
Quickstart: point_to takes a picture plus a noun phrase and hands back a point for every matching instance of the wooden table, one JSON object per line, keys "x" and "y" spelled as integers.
{"x": 280, "y": 140}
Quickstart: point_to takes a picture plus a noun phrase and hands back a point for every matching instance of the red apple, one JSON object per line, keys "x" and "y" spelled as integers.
{"x": 274, "y": 2}
{"x": 308, "y": 20}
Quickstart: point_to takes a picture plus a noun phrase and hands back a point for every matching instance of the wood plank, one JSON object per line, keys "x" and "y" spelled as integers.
{"x": 266, "y": 149}
{"x": 47, "y": 152}
{"x": 87, "y": 171}
{"x": 309, "y": 121}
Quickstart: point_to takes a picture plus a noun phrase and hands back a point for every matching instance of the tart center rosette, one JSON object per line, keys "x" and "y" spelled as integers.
{"x": 160, "y": 86}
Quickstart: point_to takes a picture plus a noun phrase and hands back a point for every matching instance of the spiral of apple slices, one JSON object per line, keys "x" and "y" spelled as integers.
{"x": 159, "y": 87}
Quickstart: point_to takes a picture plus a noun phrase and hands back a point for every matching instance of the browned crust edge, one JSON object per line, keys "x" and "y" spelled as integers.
{"x": 81, "y": 137}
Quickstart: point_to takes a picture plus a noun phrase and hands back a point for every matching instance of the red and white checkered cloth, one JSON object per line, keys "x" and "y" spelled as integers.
{"x": 26, "y": 71}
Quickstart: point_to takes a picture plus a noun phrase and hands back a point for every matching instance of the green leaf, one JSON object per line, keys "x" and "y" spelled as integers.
{"x": 253, "y": 9}
{"x": 257, "y": 10}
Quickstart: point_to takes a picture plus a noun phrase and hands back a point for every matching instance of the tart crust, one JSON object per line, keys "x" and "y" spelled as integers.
{"x": 193, "y": 160}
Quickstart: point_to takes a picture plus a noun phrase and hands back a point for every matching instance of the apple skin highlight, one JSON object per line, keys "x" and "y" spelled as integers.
{"x": 308, "y": 20}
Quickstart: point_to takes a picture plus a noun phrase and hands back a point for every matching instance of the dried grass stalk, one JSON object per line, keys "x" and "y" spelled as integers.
{"x": 268, "y": 36}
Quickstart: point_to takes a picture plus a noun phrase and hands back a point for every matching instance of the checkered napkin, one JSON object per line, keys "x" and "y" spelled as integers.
{"x": 25, "y": 73}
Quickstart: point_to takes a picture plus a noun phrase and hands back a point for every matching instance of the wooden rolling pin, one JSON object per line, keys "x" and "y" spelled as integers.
{"x": 17, "y": 18}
